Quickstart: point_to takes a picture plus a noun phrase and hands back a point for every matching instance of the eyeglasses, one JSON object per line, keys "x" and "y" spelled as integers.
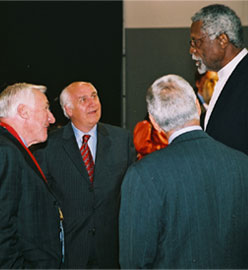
{"x": 196, "y": 43}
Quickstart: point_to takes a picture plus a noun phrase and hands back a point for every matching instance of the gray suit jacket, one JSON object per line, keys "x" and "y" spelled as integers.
{"x": 90, "y": 212}
{"x": 185, "y": 206}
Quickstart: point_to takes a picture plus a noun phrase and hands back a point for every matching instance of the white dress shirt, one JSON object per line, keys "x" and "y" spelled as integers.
{"x": 91, "y": 142}
{"x": 223, "y": 75}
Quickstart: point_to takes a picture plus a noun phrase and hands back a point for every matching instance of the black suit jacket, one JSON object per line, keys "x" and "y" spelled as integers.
{"x": 185, "y": 206}
{"x": 29, "y": 217}
{"x": 228, "y": 122}
{"x": 90, "y": 212}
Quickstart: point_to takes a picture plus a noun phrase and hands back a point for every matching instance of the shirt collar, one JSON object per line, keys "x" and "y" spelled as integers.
{"x": 79, "y": 134}
{"x": 23, "y": 141}
{"x": 181, "y": 131}
{"x": 228, "y": 69}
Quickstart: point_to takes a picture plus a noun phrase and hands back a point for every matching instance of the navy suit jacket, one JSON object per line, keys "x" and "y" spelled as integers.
{"x": 228, "y": 122}
{"x": 29, "y": 217}
{"x": 90, "y": 212}
{"x": 185, "y": 206}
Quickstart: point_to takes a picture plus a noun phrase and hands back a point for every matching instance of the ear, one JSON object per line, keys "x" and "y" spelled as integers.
{"x": 223, "y": 40}
{"x": 154, "y": 123}
{"x": 23, "y": 111}
{"x": 68, "y": 110}
{"x": 198, "y": 106}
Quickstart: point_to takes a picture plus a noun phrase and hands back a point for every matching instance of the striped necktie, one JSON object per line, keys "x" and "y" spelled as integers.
{"x": 87, "y": 157}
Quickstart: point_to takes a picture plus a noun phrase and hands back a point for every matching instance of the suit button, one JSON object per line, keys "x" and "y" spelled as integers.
{"x": 91, "y": 188}
{"x": 92, "y": 231}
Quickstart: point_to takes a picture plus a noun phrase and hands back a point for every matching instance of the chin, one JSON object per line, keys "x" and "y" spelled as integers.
{"x": 44, "y": 138}
{"x": 202, "y": 70}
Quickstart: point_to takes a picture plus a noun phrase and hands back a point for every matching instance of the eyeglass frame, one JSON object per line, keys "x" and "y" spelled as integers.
{"x": 193, "y": 42}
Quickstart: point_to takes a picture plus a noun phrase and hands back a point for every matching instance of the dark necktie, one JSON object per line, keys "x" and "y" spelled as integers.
{"x": 87, "y": 157}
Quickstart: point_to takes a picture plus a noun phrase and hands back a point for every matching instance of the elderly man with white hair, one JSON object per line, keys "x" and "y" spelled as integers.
{"x": 31, "y": 219}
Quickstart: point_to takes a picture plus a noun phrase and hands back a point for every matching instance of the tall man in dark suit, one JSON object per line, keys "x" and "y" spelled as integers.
{"x": 217, "y": 44}
{"x": 184, "y": 206}
{"x": 29, "y": 213}
{"x": 91, "y": 206}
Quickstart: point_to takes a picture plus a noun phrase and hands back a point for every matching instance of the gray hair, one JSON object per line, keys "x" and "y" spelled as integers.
{"x": 16, "y": 94}
{"x": 65, "y": 100}
{"x": 218, "y": 19}
{"x": 172, "y": 102}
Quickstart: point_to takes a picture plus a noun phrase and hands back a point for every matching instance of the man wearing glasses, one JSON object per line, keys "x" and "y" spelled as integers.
{"x": 217, "y": 44}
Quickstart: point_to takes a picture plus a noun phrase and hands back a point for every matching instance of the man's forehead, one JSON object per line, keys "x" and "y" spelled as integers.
{"x": 83, "y": 88}
{"x": 196, "y": 28}
{"x": 213, "y": 74}
{"x": 39, "y": 94}
{"x": 40, "y": 99}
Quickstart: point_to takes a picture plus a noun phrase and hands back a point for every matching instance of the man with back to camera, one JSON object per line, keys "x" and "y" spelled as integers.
{"x": 184, "y": 206}
{"x": 90, "y": 198}
{"x": 29, "y": 213}
{"x": 217, "y": 44}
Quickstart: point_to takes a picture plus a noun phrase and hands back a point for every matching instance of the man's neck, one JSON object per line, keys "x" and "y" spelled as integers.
{"x": 17, "y": 126}
{"x": 230, "y": 53}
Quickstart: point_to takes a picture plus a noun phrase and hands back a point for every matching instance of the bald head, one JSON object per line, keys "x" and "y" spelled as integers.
{"x": 81, "y": 104}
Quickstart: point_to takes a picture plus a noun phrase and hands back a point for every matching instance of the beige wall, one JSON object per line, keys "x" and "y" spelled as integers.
{"x": 169, "y": 14}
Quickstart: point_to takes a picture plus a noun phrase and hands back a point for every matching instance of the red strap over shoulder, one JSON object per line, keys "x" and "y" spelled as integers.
{"x": 14, "y": 133}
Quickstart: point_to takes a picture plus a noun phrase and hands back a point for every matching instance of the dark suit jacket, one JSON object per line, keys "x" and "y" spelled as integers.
{"x": 90, "y": 212}
{"x": 185, "y": 206}
{"x": 29, "y": 218}
{"x": 228, "y": 122}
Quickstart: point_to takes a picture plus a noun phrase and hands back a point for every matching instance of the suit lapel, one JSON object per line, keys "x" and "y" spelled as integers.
{"x": 103, "y": 146}
{"x": 229, "y": 90}
{"x": 71, "y": 148}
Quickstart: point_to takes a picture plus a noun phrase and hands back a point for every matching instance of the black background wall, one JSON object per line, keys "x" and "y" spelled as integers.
{"x": 55, "y": 43}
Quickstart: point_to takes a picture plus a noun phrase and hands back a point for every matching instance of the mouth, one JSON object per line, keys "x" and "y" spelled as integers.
{"x": 92, "y": 112}
{"x": 201, "y": 67}
{"x": 197, "y": 60}
{"x": 198, "y": 63}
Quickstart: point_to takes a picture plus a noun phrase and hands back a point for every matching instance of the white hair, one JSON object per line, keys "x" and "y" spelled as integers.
{"x": 16, "y": 94}
{"x": 65, "y": 100}
{"x": 172, "y": 102}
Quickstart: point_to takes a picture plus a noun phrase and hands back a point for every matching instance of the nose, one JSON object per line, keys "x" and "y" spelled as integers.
{"x": 93, "y": 101}
{"x": 51, "y": 118}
